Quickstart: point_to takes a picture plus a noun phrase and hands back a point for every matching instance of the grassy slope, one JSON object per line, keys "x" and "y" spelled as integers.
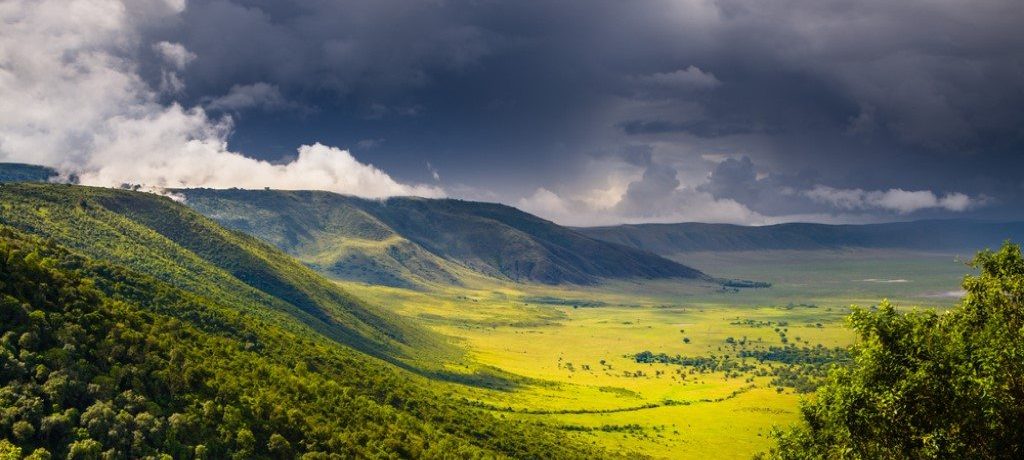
{"x": 405, "y": 240}
{"x": 102, "y": 357}
{"x": 156, "y": 236}
{"x": 670, "y": 239}
{"x": 518, "y": 245}
{"x": 326, "y": 231}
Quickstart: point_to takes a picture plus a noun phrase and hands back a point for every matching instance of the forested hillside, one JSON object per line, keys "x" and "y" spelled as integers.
{"x": 405, "y": 240}
{"x": 131, "y": 327}
{"x": 164, "y": 239}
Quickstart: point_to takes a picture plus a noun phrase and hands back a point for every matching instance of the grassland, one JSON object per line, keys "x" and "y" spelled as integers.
{"x": 735, "y": 364}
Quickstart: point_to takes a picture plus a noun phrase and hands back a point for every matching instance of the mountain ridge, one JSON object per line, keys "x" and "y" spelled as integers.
{"x": 949, "y": 234}
{"x": 436, "y": 239}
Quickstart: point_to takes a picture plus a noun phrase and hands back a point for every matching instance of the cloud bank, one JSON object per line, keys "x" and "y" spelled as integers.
{"x": 898, "y": 200}
{"x": 71, "y": 97}
{"x": 734, "y": 191}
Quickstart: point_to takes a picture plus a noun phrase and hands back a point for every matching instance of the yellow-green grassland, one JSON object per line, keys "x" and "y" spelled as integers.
{"x": 671, "y": 369}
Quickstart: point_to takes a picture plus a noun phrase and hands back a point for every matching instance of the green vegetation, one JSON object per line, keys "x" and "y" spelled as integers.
{"x": 408, "y": 241}
{"x": 579, "y": 375}
{"x": 925, "y": 384}
{"x": 329, "y": 232}
{"x": 155, "y": 236}
{"x": 112, "y": 343}
{"x": 132, "y": 326}
{"x": 799, "y": 368}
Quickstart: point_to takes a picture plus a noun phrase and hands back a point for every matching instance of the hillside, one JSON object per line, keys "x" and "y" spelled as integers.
{"x": 124, "y": 337}
{"x": 406, "y": 240}
{"x": 328, "y": 232}
{"x": 667, "y": 239}
{"x": 174, "y": 244}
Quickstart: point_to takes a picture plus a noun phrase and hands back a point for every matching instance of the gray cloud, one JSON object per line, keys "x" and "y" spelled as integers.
{"x": 243, "y": 97}
{"x": 509, "y": 98}
{"x": 778, "y": 80}
{"x": 72, "y": 98}
{"x": 774, "y": 194}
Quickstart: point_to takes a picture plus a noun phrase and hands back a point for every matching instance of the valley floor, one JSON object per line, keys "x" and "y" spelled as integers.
{"x": 669, "y": 369}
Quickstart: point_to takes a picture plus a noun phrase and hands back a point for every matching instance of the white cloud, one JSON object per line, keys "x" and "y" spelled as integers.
{"x": 545, "y": 203}
{"x": 956, "y": 202}
{"x": 433, "y": 172}
{"x": 897, "y": 200}
{"x": 691, "y": 77}
{"x": 174, "y": 55}
{"x": 657, "y": 191}
{"x": 686, "y": 206}
{"x": 71, "y": 97}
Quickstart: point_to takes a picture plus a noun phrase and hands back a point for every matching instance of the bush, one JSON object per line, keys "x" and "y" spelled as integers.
{"x": 925, "y": 384}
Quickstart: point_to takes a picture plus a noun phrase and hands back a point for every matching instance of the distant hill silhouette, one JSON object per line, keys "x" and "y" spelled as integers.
{"x": 924, "y": 235}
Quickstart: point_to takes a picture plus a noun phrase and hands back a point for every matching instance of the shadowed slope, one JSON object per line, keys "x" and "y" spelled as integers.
{"x": 415, "y": 239}
{"x": 171, "y": 242}
{"x": 328, "y": 232}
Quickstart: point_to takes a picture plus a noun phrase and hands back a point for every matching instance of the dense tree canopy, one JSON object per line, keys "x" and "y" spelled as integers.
{"x": 925, "y": 384}
{"x": 92, "y": 365}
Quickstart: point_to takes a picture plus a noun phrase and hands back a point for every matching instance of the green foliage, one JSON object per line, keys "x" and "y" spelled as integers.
{"x": 155, "y": 236}
{"x": 800, "y": 368}
{"x": 328, "y": 232}
{"x": 426, "y": 239}
{"x": 928, "y": 385}
{"x": 137, "y": 328}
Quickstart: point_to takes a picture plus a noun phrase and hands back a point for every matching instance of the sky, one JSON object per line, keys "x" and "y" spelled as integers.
{"x": 587, "y": 112}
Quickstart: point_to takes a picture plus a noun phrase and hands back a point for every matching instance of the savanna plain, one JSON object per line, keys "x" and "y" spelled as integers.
{"x": 671, "y": 369}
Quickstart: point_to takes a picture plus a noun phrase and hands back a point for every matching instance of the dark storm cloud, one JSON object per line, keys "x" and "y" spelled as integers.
{"x": 770, "y": 194}
{"x": 512, "y": 96}
{"x": 698, "y": 128}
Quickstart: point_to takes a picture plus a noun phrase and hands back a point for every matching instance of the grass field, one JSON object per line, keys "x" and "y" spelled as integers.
{"x": 724, "y": 367}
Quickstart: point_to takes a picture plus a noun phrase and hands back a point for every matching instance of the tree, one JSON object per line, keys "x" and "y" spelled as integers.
{"x": 925, "y": 384}
{"x": 84, "y": 449}
{"x": 9, "y": 451}
{"x": 279, "y": 446}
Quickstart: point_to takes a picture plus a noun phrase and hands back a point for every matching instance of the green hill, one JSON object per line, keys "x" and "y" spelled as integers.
{"x": 132, "y": 327}
{"x": 407, "y": 240}
{"x": 171, "y": 242}
{"x": 326, "y": 231}
{"x": 667, "y": 239}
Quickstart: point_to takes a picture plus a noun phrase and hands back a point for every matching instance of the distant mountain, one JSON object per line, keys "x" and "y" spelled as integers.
{"x": 669, "y": 239}
{"x": 403, "y": 241}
